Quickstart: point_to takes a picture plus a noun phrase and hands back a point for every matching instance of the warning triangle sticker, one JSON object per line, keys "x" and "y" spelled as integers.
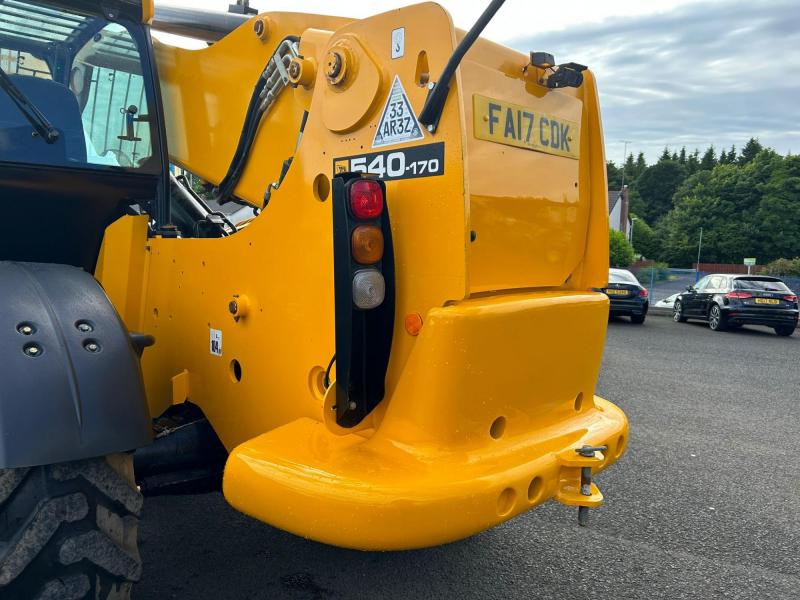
{"x": 398, "y": 122}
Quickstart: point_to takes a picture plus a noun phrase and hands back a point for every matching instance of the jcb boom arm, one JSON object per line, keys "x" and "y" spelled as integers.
{"x": 449, "y": 273}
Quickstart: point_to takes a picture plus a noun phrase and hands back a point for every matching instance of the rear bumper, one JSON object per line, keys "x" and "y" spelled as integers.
{"x": 481, "y": 426}
{"x": 768, "y": 317}
{"x": 635, "y": 306}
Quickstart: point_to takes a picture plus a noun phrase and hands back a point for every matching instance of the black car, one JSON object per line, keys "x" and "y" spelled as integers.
{"x": 627, "y": 296}
{"x": 730, "y": 301}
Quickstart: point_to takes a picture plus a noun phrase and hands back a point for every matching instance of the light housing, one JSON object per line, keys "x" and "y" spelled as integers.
{"x": 643, "y": 293}
{"x": 366, "y": 199}
{"x": 738, "y": 295}
{"x": 364, "y": 294}
{"x": 369, "y": 289}
{"x": 367, "y": 244}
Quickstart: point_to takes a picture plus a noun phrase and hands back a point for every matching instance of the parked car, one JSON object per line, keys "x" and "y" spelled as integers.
{"x": 730, "y": 301}
{"x": 627, "y": 296}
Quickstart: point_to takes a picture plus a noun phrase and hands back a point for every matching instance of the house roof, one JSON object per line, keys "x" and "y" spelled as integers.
{"x": 613, "y": 198}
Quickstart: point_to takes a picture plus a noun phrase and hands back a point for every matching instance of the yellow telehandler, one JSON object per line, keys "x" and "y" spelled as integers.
{"x": 342, "y": 268}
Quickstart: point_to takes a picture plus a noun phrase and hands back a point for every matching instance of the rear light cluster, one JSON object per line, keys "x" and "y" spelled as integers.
{"x": 364, "y": 294}
{"x": 643, "y": 293}
{"x": 791, "y": 298}
{"x": 366, "y": 242}
{"x": 738, "y": 295}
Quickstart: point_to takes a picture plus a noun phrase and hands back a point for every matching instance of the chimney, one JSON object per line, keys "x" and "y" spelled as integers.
{"x": 623, "y": 210}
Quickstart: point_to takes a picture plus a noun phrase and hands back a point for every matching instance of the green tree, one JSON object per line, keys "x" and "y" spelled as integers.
{"x": 682, "y": 156}
{"x": 641, "y": 165}
{"x": 725, "y": 203}
{"x": 657, "y": 185}
{"x": 778, "y": 212}
{"x": 693, "y": 162}
{"x": 709, "y": 160}
{"x": 614, "y": 174}
{"x": 643, "y": 238}
{"x": 620, "y": 250}
{"x": 751, "y": 149}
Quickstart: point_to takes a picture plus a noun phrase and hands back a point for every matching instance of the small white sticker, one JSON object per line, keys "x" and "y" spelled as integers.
{"x": 398, "y": 42}
{"x": 398, "y": 122}
{"x": 216, "y": 342}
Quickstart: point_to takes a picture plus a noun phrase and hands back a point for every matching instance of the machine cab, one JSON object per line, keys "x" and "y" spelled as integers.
{"x": 80, "y": 141}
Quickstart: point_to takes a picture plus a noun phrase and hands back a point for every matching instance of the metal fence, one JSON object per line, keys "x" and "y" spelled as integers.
{"x": 664, "y": 283}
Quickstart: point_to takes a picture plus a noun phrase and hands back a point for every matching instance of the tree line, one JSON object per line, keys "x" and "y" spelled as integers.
{"x": 747, "y": 203}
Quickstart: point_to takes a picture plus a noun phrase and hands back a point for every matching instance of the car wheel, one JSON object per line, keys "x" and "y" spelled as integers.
{"x": 784, "y": 330}
{"x": 716, "y": 320}
{"x": 677, "y": 312}
{"x": 69, "y": 530}
{"x": 637, "y": 319}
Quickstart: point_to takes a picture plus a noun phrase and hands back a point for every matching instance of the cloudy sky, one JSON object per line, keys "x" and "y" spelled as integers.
{"x": 671, "y": 72}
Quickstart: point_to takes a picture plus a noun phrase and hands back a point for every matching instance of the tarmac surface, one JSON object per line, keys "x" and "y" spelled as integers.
{"x": 704, "y": 504}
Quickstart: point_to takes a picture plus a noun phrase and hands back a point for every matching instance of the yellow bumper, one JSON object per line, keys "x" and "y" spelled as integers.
{"x": 482, "y": 426}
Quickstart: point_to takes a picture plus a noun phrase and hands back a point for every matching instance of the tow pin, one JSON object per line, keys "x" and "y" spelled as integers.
{"x": 586, "y": 480}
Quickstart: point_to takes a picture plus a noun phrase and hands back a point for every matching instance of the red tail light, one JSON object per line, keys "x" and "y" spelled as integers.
{"x": 643, "y": 293}
{"x": 366, "y": 199}
{"x": 738, "y": 295}
{"x": 790, "y": 298}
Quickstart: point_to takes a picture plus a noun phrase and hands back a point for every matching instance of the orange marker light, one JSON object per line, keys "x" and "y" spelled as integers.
{"x": 413, "y": 323}
{"x": 367, "y": 244}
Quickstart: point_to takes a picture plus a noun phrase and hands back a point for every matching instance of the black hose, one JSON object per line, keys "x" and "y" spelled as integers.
{"x": 434, "y": 104}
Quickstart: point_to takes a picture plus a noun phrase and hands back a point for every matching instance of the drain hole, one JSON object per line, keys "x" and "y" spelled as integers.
{"x": 498, "y": 428}
{"x": 535, "y": 489}
{"x": 236, "y": 371}
{"x": 505, "y": 502}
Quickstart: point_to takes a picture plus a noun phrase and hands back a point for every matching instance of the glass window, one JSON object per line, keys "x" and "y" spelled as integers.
{"x": 715, "y": 283}
{"x": 761, "y": 284}
{"x": 701, "y": 285}
{"x": 106, "y": 77}
{"x": 86, "y": 75}
{"x": 621, "y": 276}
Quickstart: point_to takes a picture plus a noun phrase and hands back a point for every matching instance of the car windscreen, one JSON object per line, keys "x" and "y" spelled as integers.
{"x": 762, "y": 285}
{"x": 622, "y": 277}
{"x": 86, "y": 76}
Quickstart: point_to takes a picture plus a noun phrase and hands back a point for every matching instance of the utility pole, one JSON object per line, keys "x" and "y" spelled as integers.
{"x": 699, "y": 248}
{"x": 624, "y": 160}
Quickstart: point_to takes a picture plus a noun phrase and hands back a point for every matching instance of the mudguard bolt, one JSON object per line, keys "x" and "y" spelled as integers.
{"x": 25, "y": 329}
{"x": 84, "y": 327}
{"x": 32, "y": 350}
{"x": 92, "y": 347}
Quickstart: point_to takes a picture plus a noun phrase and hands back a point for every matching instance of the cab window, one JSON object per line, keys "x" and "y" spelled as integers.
{"x": 86, "y": 75}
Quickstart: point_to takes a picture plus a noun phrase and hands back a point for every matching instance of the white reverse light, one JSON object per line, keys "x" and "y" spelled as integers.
{"x": 369, "y": 289}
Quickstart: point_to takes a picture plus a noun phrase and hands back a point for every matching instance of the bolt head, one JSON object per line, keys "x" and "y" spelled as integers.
{"x": 84, "y": 327}
{"x": 25, "y": 329}
{"x": 294, "y": 69}
{"x": 431, "y": 85}
{"x": 92, "y": 347}
{"x": 333, "y": 65}
{"x": 32, "y": 350}
{"x": 431, "y": 128}
{"x": 233, "y": 307}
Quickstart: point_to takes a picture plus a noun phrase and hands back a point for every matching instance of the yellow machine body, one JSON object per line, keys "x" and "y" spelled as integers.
{"x": 485, "y": 407}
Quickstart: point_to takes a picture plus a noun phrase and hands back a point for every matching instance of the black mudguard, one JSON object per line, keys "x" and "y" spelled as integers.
{"x": 67, "y": 391}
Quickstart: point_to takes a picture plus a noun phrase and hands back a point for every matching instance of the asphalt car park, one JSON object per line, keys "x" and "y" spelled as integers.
{"x": 705, "y": 503}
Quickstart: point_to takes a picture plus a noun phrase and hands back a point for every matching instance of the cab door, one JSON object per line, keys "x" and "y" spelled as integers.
{"x": 705, "y": 297}
{"x": 691, "y": 298}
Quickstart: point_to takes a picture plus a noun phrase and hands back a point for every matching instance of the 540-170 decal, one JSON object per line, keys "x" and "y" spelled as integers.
{"x": 404, "y": 163}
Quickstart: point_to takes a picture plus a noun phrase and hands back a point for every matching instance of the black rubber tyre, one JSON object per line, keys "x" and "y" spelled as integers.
{"x": 637, "y": 319}
{"x": 69, "y": 530}
{"x": 784, "y": 330}
{"x": 677, "y": 312}
{"x": 716, "y": 320}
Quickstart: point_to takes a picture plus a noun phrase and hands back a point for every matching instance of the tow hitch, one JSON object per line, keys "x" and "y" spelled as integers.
{"x": 586, "y": 495}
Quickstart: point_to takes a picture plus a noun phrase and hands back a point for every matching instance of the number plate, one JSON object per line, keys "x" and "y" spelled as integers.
{"x": 524, "y": 127}
{"x": 407, "y": 163}
{"x": 767, "y": 301}
{"x": 611, "y": 292}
